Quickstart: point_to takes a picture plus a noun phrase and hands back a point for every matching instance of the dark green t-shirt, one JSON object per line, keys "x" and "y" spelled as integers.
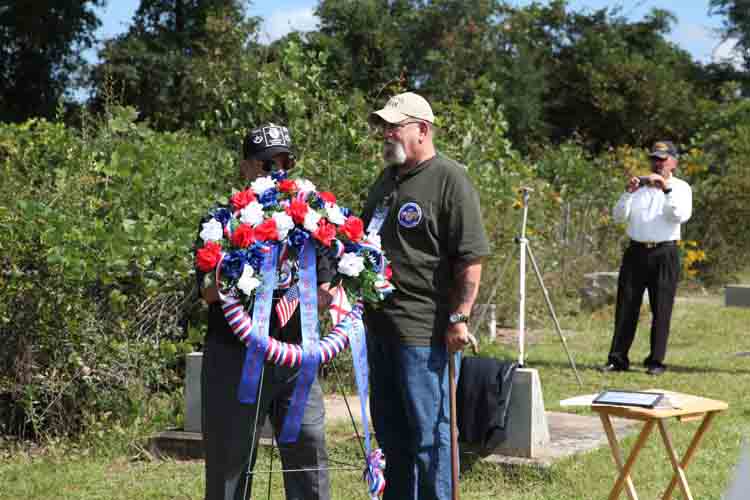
{"x": 433, "y": 221}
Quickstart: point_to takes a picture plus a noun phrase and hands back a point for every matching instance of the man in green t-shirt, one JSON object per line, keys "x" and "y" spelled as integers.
{"x": 427, "y": 214}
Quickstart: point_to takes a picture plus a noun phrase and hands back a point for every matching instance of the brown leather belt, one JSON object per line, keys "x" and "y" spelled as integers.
{"x": 652, "y": 244}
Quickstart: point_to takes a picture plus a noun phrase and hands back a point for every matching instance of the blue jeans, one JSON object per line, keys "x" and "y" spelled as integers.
{"x": 410, "y": 408}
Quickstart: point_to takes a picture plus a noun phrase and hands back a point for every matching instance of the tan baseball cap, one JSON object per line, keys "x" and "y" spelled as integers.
{"x": 403, "y": 106}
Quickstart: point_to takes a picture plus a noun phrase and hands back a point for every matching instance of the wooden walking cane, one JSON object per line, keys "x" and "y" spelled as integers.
{"x": 454, "y": 422}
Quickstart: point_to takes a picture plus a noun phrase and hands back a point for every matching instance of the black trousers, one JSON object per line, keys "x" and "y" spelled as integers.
{"x": 228, "y": 424}
{"x": 658, "y": 271}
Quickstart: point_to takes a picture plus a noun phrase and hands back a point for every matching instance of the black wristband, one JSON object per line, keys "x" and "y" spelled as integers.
{"x": 666, "y": 191}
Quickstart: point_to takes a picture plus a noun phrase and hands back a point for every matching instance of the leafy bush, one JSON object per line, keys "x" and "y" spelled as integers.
{"x": 96, "y": 289}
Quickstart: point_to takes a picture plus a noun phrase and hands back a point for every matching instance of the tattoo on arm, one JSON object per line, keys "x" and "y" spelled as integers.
{"x": 467, "y": 291}
{"x": 467, "y": 278}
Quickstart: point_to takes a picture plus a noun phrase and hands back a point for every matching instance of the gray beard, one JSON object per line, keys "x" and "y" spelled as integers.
{"x": 393, "y": 153}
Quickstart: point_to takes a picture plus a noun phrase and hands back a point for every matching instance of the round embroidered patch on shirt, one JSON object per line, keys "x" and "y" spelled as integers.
{"x": 409, "y": 215}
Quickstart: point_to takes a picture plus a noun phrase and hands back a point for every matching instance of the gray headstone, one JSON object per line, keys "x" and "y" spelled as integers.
{"x": 193, "y": 412}
{"x": 528, "y": 432}
{"x": 599, "y": 289}
{"x": 737, "y": 296}
{"x": 484, "y": 321}
{"x": 193, "y": 363}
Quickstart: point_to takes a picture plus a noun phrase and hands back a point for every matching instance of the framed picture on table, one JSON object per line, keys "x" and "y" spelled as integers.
{"x": 628, "y": 398}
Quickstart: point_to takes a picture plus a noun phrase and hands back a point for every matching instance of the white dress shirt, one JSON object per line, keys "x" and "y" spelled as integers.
{"x": 653, "y": 216}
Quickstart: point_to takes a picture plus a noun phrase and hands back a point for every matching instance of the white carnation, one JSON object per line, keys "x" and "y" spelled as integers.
{"x": 248, "y": 282}
{"x": 262, "y": 184}
{"x": 351, "y": 264}
{"x": 304, "y": 186}
{"x": 311, "y": 220}
{"x": 284, "y": 223}
{"x": 252, "y": 214}
{"x": 212, "y": 231}
{"x": 334, "y": 214}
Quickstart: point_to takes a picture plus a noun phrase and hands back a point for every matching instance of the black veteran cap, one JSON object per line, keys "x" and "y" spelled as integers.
{"x": 663, "y": 149}
{"x": 263, "y": 142}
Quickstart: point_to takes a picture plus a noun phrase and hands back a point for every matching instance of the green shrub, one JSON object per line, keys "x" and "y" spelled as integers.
{"x": 96, "y": 288}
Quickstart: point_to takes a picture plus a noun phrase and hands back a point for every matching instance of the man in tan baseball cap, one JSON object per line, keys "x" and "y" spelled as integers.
{"x": 403, "y": 106}
{"x": 426, "y": 213}
{"x": 405, "y": 146}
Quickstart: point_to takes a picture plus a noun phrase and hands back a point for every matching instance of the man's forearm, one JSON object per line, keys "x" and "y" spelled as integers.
{"x": 468, "y": 276}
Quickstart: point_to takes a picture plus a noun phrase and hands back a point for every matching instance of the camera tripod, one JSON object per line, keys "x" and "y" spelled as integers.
{"x": 524, "y": 249}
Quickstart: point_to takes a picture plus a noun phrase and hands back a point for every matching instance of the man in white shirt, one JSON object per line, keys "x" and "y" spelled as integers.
{"x": 654, "y": 207}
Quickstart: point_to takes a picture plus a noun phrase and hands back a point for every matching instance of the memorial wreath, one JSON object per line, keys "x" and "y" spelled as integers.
{"x": 269, "y": 237}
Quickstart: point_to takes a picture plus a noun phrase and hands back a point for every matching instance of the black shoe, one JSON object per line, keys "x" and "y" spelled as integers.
{"x": 656, "y": 370}
{"x": 611, "y": 367}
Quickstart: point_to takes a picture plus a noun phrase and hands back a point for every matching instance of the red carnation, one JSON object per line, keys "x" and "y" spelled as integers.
{"x": 243, "y": 236}
{"x": 353, "y": 228}
{"x": 297, "y": 210}
{"x": 266, "y": 231}
{"x": 287, "y": 186}
{"x": 388, "y": 272}
{"x": 327, "y": 196}
{"x": 207, "y": 257}
{"x": 325, "y": 232}
{"x": 242, "y": 199}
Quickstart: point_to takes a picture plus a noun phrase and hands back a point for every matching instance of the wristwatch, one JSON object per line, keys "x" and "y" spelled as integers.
{"x": 666, "y": 190}
{"x": 458, "y": 317}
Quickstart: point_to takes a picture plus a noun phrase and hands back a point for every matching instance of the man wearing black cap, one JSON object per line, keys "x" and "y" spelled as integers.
{"x": 653, "y": 207}
{"x": 227, "y": 424}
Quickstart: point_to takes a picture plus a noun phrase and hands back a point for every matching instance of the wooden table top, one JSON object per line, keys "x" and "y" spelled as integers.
{"x": 682, "y": 405}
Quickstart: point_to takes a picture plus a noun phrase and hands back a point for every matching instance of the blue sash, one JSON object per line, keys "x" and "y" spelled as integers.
{"x": 256, "y": 350}
{"x": 308, "y": 288}
{"x": 358, "y": 345}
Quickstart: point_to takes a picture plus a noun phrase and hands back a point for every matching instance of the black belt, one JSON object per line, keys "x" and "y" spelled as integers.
{"x": 652, "y": 244}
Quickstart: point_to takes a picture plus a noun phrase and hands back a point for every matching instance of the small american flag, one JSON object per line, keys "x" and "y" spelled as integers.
{"x": 287, "y": 305}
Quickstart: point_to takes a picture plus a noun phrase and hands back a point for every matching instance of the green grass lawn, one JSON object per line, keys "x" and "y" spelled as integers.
{"x": 702, "y": 359}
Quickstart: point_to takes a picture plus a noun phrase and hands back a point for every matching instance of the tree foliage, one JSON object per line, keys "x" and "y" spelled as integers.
{"x": 40, "y": 53}
{"x": 151, "y": 67}
{"x": 736, "y": 23}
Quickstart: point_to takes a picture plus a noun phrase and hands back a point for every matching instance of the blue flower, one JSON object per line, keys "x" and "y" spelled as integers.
{"x": 233, "y": 263}
{"x": 297, "y": 238}
{"x": 268, "y": 198}
{"x": 222, "y": 215}
{"x": 279, "y": 175}
{"x": 345, "y": 211}
{"x": 350, "y": 247}
{"x": 255, "y": 257}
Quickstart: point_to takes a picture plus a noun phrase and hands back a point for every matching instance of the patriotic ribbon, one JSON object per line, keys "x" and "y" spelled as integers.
{"x": 308, "y": 289}
{"x": 290, "y": 355}
{"x": 374, "y": 474}
{"x": 375, "y": 461}
{"x": 257, "y": 330}
{"x": 374, "y": 255}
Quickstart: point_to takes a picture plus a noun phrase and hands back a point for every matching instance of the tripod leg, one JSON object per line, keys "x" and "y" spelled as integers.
{"x": 270, "y": 467}
{"x": 254, "y": 433}
{"x": 552, "y": 313}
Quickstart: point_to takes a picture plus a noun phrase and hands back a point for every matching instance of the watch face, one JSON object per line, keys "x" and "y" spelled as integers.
{"x": 457, "y": 318}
